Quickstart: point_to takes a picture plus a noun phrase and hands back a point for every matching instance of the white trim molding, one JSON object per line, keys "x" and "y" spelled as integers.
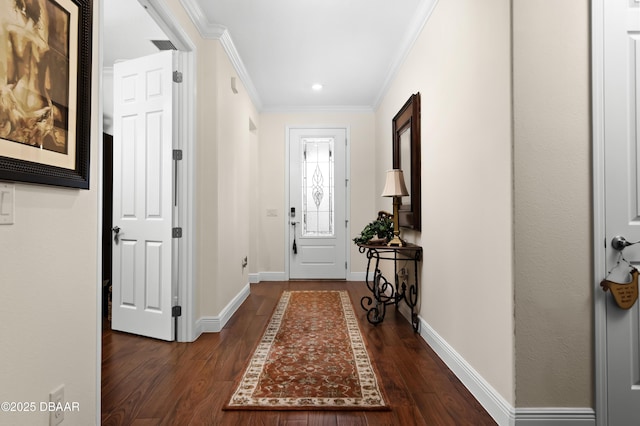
{"x": 272, "y": 276}
{"x": 216, "y": 323}
{"x": 422, "y": 15}
{"x": 212, "y": 31}
{"x": 599, "y": 232}
{"x": 356, "y": 276}
{"x": 259, "y": 277}
{"x": 497, "y": 407}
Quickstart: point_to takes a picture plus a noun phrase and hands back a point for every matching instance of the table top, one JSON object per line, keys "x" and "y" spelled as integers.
{"x": 384, "y": 247}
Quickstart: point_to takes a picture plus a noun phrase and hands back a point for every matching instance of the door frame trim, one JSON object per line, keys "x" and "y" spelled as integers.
{"x": 347, "y": 206}
{"x": 599, "y": 230}
{"x": 186, "y": 122}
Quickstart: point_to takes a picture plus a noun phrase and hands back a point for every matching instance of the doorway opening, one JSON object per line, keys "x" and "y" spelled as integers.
{"x": 123, "y": 42}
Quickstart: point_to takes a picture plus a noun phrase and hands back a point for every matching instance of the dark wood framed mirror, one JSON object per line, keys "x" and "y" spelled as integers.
{"x": 406, "y": 156}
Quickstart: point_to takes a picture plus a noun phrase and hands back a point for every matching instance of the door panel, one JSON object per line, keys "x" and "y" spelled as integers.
{"x": 622, "y": 211}
{"x": 142, "y": 207}
{"x": 317, "y": 192}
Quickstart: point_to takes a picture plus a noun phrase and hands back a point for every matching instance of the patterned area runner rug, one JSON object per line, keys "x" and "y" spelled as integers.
{"x": 311, "y": 357}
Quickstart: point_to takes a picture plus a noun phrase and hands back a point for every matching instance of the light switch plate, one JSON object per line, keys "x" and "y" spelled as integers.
{"x": 7, "y": 197}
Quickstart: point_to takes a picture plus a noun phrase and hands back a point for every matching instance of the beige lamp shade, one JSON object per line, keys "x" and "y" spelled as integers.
{"x": 395, "y": 187}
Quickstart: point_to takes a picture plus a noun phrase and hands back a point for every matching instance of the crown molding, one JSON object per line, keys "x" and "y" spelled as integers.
{"x": 318, "y": 109}
{"x": 238, "y": 65}
{"x": 218, "y": 32}
{"x": 163, "y": 17}
{"x": 204, "y": 27}
{"x": 425, "y": 9}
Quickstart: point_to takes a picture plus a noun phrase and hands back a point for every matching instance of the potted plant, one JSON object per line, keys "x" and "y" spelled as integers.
{"x": 382, "y": 228}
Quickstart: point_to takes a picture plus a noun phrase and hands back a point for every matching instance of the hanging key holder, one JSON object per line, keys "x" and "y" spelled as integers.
{"x": 624, "y": 294}
{"x": 294, "y": 247}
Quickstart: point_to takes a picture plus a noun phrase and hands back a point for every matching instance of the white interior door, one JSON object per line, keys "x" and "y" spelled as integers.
{"x": 622, "y": 198}
{"x": 142, "y": 196}
{"x": 317, "y": 198}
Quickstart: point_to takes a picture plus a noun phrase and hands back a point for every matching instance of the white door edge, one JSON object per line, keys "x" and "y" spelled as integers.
{"x": 286, "y": 218}
{"x": 186, "y": 119}
{"x": 186, "y": 261}
{"x": 599, "y": 231}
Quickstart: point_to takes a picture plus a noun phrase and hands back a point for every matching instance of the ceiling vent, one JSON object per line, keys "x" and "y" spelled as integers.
{"x": 163, "y": 45}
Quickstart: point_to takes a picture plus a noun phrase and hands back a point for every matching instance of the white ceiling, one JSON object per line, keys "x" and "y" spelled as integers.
{"x": 128, "y": 29}
{"x": 280, "y": 48}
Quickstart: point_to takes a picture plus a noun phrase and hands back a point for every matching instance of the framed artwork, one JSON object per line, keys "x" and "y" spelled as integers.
{"x": 45, "y": 91}
{"x": 406, "y": 156}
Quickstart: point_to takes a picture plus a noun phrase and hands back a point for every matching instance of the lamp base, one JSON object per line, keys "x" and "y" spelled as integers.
{"x": 396, "y": 242}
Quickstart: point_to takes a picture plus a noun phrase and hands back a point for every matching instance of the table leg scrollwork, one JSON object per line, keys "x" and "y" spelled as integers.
{"x": 385, "y": 292}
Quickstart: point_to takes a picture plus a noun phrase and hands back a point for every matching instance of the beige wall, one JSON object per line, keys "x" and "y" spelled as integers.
{"x": 553, "y": 261}
{"x": 235, "y": 177}
{"x": 49, "y": 274}
{"x": 460, "y": 64}
{"x": 272, "y": 156}
{"x": 206, "y": 179}
{"x": 520, "y": 316}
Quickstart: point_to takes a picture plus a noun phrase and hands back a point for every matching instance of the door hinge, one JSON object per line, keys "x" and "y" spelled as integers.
{"x": 177, "y": 232}
{"x": 176, "y": 311}
{"x": 177, "y": 77}
{"x": 177, "y": 154}
{"x": 345, "y": 264}
{"x": 346, "y": 223}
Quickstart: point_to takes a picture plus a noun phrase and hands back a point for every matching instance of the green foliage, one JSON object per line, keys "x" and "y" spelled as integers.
{"x": 381, "y": 228}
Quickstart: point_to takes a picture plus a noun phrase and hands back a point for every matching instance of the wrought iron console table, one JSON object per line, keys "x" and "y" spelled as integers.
{"x": 385, "y": 292}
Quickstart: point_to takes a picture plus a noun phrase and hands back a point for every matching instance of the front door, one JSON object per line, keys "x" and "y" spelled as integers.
{"x": 142, "y": 196}
{"x": 317, "y": 198}
{"x": 622, "y": 202}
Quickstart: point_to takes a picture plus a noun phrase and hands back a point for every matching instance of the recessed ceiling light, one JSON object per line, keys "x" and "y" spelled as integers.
{"x": 317, "y": 87}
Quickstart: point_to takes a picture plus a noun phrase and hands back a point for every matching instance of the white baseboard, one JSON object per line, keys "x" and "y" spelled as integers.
{"x": 356, "y": 276}
{"x": 257, "y": 277}
{"x": 216, "y": 324}
{"x": 497, "y": 407}
{"x": 272, "y": 276}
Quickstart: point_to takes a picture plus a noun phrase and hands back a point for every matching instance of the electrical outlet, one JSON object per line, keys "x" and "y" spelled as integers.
{"x": 56, "y": 396}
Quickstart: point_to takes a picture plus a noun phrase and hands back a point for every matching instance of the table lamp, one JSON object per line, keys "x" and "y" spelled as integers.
{"x": 395, "y": 187}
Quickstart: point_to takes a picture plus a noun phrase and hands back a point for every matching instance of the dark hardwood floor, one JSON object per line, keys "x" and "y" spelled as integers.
{"x": 150, "y": 382}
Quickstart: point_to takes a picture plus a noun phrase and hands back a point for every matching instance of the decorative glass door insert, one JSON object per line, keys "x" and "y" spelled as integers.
{"x": 317, "y": 225}
{"x": 318, "y": 187}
